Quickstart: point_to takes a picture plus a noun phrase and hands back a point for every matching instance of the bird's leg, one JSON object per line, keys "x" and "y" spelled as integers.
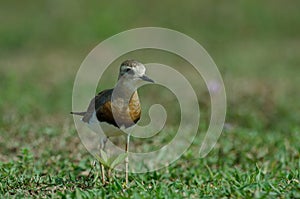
{"x": 104, "y": 141}
{"x": 127, "y": 158}
{"x": 102, "y": 147}
{"x": 93, "y": 166}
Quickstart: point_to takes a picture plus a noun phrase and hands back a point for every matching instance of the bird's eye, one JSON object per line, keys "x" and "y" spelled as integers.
{"x": 127, "y": 70}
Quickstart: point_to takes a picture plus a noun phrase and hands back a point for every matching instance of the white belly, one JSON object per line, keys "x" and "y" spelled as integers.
{"x": 103, "y": 127}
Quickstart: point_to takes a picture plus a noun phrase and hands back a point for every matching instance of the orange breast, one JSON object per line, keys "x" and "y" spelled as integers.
{"x": 135, "y": 108}
{"x": 124, "y": 114}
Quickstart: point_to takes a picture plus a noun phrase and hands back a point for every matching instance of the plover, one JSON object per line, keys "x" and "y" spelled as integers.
{"x": 119, "y": 106}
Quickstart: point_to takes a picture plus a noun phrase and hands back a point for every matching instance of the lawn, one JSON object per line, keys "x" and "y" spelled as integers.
{"x": 256, "y": 46}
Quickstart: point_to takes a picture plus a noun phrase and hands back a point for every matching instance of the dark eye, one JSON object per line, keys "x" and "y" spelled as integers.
{"x": 127, "y": 70}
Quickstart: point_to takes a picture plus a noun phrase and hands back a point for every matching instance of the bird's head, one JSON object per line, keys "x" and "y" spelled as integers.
{"x": 134, "y": 71}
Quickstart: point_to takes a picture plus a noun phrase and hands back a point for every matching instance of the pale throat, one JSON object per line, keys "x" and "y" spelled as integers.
{"x": 125, "y": 88}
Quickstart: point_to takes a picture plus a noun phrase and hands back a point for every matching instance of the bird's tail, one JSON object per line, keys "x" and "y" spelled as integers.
{"x": 78, "y": 113}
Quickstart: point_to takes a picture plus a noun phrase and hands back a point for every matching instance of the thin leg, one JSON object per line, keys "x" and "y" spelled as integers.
{"x": 93, "y": 166}
{"x": 102, "y": 146}
{"x": 104, "y": 141}
{"x": 127, "y": 159}
{"x": 102, "y": 174}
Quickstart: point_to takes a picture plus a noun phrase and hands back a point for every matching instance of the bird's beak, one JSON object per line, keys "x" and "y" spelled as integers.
{"x": 147, "y": 79}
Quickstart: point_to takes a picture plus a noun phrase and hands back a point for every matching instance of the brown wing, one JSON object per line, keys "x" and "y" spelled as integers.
{"x": 102, "y": 104}
{"x": 104, "y": 112}
{"x": 97, "y": 103}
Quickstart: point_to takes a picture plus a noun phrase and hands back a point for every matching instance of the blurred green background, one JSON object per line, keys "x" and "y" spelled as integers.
{"x": 255, "y": 44}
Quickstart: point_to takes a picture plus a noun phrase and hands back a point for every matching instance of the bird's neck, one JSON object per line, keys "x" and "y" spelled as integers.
{"x": 125, "y": 89}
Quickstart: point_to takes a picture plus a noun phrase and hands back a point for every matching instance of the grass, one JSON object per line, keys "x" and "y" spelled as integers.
{"x": 236, "y": 167}
{"x": 255, "y": 44}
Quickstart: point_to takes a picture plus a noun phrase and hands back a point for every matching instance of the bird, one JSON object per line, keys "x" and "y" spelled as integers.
{"x": 119, "y": 106}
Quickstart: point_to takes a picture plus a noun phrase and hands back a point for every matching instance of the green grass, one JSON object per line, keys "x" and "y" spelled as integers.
{"x": 242, "y": 165}
{"x": 255, "y": 45}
